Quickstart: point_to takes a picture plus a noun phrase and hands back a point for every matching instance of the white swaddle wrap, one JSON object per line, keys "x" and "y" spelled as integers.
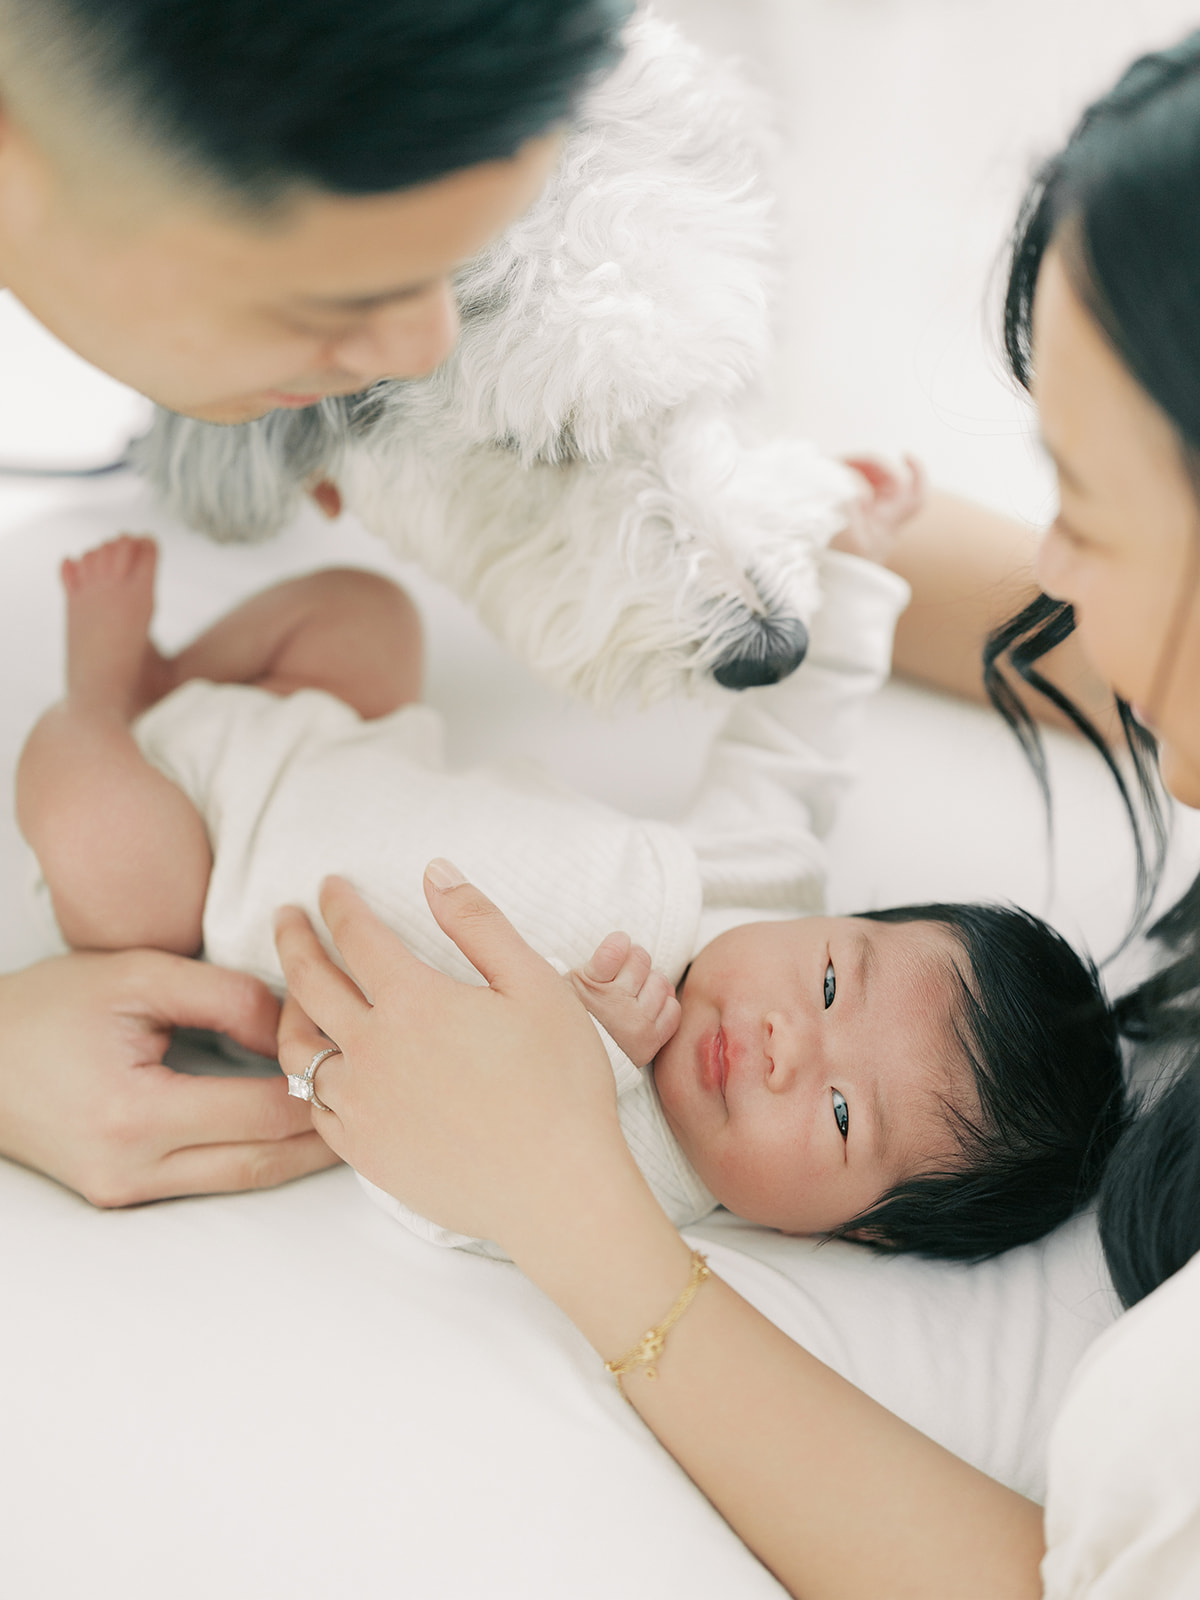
{"x": 293, "y": 789}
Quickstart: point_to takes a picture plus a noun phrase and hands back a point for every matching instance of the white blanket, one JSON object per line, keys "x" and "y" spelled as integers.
{"x": 285, "y": 1395}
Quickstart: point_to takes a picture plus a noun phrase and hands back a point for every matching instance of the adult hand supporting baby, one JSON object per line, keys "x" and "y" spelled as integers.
{"x": 492, "y": 1111}
{"x": 85, "y": 1096}
{"x": 486, "y": 1108}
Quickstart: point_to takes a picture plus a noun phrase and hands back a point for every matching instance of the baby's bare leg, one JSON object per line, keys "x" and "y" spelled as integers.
{"x": 352, "y": 633}
{"x": 124, "y": 851}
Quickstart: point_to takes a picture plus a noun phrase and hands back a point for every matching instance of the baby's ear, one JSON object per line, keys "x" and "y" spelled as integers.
{"x": 326, "y": 495}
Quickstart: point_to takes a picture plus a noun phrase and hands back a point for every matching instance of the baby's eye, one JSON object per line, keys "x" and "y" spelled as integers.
{"x": 841, "y": 1113}
{"x": 830, "y": 986}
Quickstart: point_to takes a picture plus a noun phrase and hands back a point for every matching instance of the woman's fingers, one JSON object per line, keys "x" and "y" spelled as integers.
{"x": 370, "y": 949}
{"x": 484, "y": 934}
{"x": 225, "y": 1110}
{"x": 300, "y": 1041}
{"x": 193, "y": 994}
{"x": 299, "y": 1037}
{"x": 229, "y": 1168}
{"x": 331, "y": 998}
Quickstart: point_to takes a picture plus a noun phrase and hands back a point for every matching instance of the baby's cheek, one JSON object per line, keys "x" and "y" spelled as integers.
{"x": 746, "y": 1182}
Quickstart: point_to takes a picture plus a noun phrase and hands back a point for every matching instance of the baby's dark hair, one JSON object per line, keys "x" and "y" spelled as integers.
{"x": 1043, "y": 1047}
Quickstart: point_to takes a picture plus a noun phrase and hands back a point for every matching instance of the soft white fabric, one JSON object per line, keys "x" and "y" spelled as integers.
{"x": 197, "y": 1381}
{"x": 294, "y": 788}
{"x": 1123, "y": 1504}
{"x": 284, "y": 1397}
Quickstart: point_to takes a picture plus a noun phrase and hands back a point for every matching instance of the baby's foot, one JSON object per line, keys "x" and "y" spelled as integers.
{"x": 636, "y": 1005}
{"x": 111, "y": 664}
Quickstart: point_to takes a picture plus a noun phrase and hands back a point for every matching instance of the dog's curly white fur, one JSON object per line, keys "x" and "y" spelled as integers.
{"x": 576, "y": 470}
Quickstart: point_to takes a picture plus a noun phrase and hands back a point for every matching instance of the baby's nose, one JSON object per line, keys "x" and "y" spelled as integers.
{"x": 782, "y": 1048}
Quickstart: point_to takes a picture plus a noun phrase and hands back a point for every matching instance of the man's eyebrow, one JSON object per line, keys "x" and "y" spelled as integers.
{"x": 363, "y": 302}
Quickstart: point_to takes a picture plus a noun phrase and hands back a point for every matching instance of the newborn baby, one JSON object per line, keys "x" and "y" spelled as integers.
{"x": 925, "y": 1078}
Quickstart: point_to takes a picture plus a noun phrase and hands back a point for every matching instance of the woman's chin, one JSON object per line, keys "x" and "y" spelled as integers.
{"x": 1180, "y": 775}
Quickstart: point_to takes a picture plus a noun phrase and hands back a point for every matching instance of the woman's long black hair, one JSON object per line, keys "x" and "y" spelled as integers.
{"x": 1122, "y": 204}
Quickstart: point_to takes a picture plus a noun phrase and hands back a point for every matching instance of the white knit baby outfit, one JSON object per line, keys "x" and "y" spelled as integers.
{"x": 294, "y": 788}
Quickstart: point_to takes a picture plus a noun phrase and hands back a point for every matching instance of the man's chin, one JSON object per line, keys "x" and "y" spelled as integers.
{"x": 227, "y": 413}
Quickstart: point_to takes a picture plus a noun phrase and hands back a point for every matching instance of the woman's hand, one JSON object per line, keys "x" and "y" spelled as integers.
{"x": 485, "y": 1108}
{"x": 85, "y": 1097}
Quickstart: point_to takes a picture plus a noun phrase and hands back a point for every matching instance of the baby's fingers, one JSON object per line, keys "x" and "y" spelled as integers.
{"x": 654, "y": 994}
{"x": 603, "y": 965}
{"x": 635, "y": 973}
{"x": 666, "y": 1024}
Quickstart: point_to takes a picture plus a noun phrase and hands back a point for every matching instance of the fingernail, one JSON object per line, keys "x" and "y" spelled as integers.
{"x": 443, "y": 874}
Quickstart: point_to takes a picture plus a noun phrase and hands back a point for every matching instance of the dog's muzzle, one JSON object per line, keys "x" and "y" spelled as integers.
{"x": 770, "y": 649}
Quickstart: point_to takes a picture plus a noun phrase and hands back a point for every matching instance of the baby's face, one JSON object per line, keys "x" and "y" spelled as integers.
{"x": 812, "y": 1063}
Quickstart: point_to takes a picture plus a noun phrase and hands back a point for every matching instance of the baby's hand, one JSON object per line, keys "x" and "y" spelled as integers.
{"x": 635, "y": 1005}
{"x": 892, "y": 497}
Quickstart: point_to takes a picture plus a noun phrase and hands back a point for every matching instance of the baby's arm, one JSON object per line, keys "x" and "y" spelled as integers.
{"x": 635, "y": 1005}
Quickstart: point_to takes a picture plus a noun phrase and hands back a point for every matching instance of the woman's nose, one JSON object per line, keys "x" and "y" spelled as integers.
{"x": 402, "y": 341}
{"x": 1051, "y": 567}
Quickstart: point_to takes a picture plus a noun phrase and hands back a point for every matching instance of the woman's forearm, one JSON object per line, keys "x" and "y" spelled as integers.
{"x": 971, "y": 569}
{"x": 516, "y": 1138}
{"x": 838, "y": 1497}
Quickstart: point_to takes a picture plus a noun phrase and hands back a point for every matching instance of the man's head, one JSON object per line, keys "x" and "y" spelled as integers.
{"x": 936, "y": 1078}
{"x": 232, "y": 206}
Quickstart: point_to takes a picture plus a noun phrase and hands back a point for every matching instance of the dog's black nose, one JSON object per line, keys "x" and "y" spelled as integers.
{"x": 769, "y": 650}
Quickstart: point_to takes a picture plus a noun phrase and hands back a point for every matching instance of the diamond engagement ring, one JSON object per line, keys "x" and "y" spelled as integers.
{"x": 300, "y": 1084}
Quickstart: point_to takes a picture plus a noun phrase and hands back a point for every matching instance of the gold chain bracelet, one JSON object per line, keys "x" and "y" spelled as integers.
{"x": 649, "y": 1347}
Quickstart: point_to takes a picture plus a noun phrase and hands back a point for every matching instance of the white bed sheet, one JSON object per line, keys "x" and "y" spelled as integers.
{"x": 286, "y": 1395}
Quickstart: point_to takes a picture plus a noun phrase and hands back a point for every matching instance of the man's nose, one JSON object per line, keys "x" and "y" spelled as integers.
{"x": 402, "y": 341}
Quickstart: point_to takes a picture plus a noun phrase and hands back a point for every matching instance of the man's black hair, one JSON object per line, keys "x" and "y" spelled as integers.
{"x": 350, "y": 96}
{"x": 1043, "y": 1049}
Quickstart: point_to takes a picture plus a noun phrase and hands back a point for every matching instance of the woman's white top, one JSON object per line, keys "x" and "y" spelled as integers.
{"x": 295, "y": 788}
{"x": 1123, "y": 1497}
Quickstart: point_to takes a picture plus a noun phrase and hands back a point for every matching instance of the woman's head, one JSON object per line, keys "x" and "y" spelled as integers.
{"x": 1103, "y": 325}
{"x": 225, "y": 203}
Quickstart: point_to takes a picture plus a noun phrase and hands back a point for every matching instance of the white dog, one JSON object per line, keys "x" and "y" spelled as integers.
{"x": 576, "y": 471}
